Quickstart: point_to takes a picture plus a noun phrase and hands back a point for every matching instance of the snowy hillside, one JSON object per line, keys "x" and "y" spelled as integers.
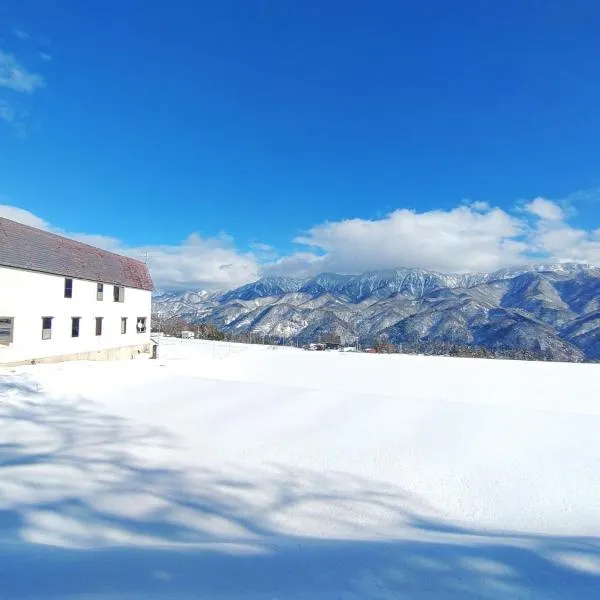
{"x": 537, "y": 307}
{"x": 226, "y": 471}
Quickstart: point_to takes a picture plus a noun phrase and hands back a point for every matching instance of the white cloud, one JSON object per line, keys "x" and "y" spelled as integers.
{"x": 199, "y": 263}
{"x": 582, "y": 196}
{"x": 21, "y": 34}
{"x": 568, "y": 244}
{"x": 299, "y": 264}
{"x": 559, "y": 240}
{"x": 15, "y": 76}
{"x": 45, "y": 56}
{"x": 545, "y": 209}
{"x": 471, "y": 237}
{"x": 263, "y": 252}
{"x": 100, "y": 241}
{"x": 21, "y": 215}
{"x": 461, "y": 239}
{"x": 260, "y": 247}
{"x": 14, "y": 117}
{"x": 479, "y": 205}
{"x": 195, "y": 263}
{"x": 8, "y": 112}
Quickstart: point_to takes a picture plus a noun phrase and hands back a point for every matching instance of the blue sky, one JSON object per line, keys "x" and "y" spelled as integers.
{"x": 290, "y": 137}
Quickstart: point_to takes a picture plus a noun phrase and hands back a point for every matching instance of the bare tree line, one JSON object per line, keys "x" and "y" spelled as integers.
{"x": 174, "y": 326}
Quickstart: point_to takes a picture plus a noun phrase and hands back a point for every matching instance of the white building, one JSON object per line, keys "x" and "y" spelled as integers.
{"x": 62, "y": 300}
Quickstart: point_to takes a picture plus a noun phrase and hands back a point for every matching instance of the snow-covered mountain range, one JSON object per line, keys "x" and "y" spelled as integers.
{"x": 548, "y": 308}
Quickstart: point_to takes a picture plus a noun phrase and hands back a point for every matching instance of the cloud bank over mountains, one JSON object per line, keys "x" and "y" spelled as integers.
{"x": 472, "y": 236}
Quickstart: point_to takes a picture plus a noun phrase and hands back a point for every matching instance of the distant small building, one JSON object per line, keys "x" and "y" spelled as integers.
{"x": 331, "y": 341}
{"x": 316, "y": 346}
{"x": 187, "y": 335}
{"x": 63, "y": 300}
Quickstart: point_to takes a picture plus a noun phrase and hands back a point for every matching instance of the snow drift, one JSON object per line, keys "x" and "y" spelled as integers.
{"x": 230, "y": 471}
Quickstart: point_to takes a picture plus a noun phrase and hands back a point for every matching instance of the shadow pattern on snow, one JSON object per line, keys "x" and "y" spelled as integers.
{"x": 86, "y": 512}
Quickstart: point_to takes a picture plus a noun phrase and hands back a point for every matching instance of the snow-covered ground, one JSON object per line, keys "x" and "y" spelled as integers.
{"x": 229, "y": 471}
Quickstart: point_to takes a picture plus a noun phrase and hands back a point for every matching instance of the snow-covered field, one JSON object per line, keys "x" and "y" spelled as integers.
{"x": 227, "y": 471}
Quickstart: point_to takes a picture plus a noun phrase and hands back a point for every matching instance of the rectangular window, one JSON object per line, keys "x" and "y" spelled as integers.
{"x": 68, "y": 288}
{"x": 75, "y": 326}
{"x": 141, "y": 325}
{"x": 118, "y": 293}
{"x": 98, "y": 325}
{"x": 6, "y": 330}
{"x": 123, "y": 325}
{"x": 47, "y": 328}
{"x": 100, "y": 291}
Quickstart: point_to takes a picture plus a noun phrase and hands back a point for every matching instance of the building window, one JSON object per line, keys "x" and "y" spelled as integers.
{"x": 123, "y": 325}
{"x": 141, "y": 324}
{"x": 118, "y": 293}
{"x": 100, "y": 291}
{"x": 98, "y": 325}
{"x": 68, "y": 288}
{"x": 47, "y": 328}
{"x": 75, "y": 326}
{"x": 6, "y": 330}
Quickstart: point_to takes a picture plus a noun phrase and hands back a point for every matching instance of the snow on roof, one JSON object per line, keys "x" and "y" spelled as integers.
{"x": 25, "y": 247}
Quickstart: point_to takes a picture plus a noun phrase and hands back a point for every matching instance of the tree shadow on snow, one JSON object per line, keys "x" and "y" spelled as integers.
{"x": 86, "y": 511}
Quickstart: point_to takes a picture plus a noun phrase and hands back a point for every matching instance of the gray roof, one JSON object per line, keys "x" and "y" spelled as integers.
{"x": 24, "y": 247}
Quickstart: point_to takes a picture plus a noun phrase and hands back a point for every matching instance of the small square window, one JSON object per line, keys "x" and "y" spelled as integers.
{"x": 75, "y": 326}
{"x": 100, "y": 291}
{"x": 47, "y": 328}
{"x": 99, "y": 325}
{"x": 68, "y": 288}
{"x": 118, "y": 293}
{"x": 141, "y": 325}
{"x": 6, "y": 330}
{"x": 123, "y": 325}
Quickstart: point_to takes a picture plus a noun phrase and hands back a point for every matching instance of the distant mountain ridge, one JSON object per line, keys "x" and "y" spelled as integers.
{"x": 547, "y": 308}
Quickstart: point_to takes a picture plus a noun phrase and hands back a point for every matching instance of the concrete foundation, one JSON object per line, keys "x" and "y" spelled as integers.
{"x": 121, "y": 353}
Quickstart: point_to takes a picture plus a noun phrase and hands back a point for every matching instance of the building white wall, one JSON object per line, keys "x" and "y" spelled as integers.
{"x": 28, "y": 296}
